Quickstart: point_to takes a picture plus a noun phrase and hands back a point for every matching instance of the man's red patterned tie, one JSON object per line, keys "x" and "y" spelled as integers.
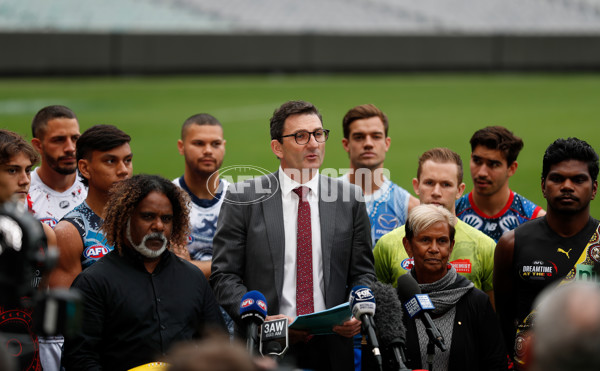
{"x": 304, "y": 276}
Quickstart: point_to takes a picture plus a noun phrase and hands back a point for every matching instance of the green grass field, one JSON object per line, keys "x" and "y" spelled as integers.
{"x": 425, "y": 111}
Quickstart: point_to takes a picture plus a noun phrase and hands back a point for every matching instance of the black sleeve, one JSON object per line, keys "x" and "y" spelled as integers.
{"x": 492, "y": 352}
{"x": 81, "y": 350}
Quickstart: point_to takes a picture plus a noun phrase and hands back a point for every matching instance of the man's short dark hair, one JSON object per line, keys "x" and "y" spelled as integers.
{"x": 294, "y": 107}
{"x": 11, "y": 144}
{"x": 570, "y": 149}
{"x": 40, "y": 120}
{"x": 363, "y": 111}
{"x": 99, "y": 138}
{"x": 127, "y": 194}
{"x": 500, "y": 138}
{"x": 199, "y": 119}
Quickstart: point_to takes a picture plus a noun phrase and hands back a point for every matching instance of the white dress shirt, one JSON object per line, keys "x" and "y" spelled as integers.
{"x": 289, "y": 202}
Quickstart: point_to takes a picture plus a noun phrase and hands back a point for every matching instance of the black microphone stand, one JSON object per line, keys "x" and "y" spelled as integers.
{"x": 430, "y": 354}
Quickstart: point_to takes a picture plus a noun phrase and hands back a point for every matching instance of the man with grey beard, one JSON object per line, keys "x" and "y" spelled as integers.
{"x": 140, "y": 298}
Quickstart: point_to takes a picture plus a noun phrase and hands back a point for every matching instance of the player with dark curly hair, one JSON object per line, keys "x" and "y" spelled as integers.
{"x": 140, "y": 298}
{"x": 125, "y": 197}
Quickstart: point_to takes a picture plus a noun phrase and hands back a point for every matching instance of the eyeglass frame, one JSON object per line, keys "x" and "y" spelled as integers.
{"x": 325, "y": 131}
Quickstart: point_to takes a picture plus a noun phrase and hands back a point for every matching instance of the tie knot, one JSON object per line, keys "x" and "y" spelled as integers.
{"x": 302, "y": 192}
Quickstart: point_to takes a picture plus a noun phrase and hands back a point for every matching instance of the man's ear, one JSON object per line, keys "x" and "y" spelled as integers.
{"x": 512, "y": 169}
{"x": 180, "y": 146}
{"x": 83, "y": 166}
{"x": 415, "y": 183}
{"x": 461, "y": 189}
{"x": 345, "y": 145}
{"x": 276, "y": 147}
{"x": 37, "y": 144}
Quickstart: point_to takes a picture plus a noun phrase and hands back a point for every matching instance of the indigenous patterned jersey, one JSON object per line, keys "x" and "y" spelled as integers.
{"x": 203, "y": 220}
{"x": 387, "y": 208}
{"x": 48, "y": 205}
{"x": 517, "y": 210}
{"x": 472, "y": 256}
{"x": 88, "y": 225}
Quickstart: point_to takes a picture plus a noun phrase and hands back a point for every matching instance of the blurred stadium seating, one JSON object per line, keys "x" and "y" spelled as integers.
{"x": 290, "y": 16}
{"x": 176, "y": 36}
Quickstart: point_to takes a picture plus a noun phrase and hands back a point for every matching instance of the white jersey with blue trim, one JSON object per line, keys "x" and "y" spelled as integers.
{"x": 387, "y": 208}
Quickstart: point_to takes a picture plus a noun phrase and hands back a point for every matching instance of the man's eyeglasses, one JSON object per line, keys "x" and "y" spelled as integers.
{"x": 303, "y": 137}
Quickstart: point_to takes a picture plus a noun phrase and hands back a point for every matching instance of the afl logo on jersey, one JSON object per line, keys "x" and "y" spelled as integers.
{"x": 407, "y": 263}
{"x": 96, "y": 252}
{"x": 50, "y": 222}
{"x": 64, "y": 204}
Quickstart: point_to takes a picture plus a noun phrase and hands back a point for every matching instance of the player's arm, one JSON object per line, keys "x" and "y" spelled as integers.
{"x": 184, "y": 253}
{"x": 503, "y": 286}
{"x": 70, "y": 248}
{"x": 51, "y": 243}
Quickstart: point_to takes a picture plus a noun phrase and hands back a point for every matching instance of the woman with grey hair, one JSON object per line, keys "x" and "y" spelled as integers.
{"x": 463, "y": 313}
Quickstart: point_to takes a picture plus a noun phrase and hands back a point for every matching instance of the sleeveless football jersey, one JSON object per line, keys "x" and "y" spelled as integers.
{"x": 387, "y": 208}
{"x": 517, "y": 211}
{"x": 88, "y": 225}
{"x": 542, "y": 257}
{"x": 204, "y": 215}
{"x": 48, "y": 205}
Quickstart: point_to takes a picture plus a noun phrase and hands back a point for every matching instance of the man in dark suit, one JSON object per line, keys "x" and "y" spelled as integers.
{"x": 269, "y": 226}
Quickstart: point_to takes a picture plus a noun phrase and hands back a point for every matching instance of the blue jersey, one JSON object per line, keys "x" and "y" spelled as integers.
{"x": 88, "y": 225}
{"x": 387, "y": 208}
{"x": 517, "y": 210}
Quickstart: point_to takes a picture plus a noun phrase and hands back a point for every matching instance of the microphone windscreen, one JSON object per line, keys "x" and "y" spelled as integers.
{"x": 362, "y": 301}
{"x": 388, "y": 317}
{"x": 407, "y": 287}
{"x": 253, "y": 304}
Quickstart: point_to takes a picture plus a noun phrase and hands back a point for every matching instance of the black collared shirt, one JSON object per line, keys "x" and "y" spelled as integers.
{"x": 132, "y": 317}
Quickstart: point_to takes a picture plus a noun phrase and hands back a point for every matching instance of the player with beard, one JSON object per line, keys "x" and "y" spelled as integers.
{"x": 55, "y": 189}
{"x": 203, "y": 148}
{"x": 561, "y": 246}
{"x": 140, "y": 298}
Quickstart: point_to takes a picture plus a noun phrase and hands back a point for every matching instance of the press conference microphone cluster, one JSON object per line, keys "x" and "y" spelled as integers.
{"x": 362, "y": 303}
{"x": 418, "y": 305}
{"x": 253, "y": 311}
{"x": 391, "y": 330}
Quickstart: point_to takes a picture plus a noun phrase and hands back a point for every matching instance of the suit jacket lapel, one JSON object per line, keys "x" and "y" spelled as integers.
{"x": 273, "y": 218}
{"x": 327, "y": 217}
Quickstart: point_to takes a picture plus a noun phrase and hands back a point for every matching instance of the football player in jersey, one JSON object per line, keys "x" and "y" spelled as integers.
{"x": 366, "y": 141}
{"x": 559, "y": 247}
{"x": 203, "y": 148}
{"x": 103, "y": 158}
{"x": 492, "y": 207}
{"x": 55, "y": 187}
{"x": 439, "y": 182}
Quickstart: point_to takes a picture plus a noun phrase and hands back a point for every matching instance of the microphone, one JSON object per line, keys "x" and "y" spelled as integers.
{"x": 362, "y": 303}
{"x": 274, "y": 338}
{"x": 253, "y": 311}
{"x": 417, "y": 304}
{"x": 388, "y": 320}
